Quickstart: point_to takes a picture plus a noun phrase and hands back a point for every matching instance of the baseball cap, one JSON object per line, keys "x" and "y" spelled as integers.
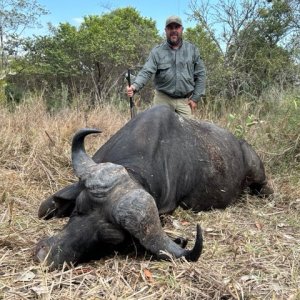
{"x": 174, "y": 19}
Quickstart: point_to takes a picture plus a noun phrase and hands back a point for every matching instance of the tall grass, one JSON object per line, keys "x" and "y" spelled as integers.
{"x": 271, "y": 124}
{"x": 251, "y": 249}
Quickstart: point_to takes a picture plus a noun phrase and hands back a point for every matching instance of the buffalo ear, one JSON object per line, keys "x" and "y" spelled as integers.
{"x": 55, "y": 207}
{"x": 47, "y": 209}
{"x": 61, "y": 204}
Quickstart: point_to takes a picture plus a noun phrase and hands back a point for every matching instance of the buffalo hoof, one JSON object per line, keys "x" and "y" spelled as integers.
{"x": 41, "y": 251}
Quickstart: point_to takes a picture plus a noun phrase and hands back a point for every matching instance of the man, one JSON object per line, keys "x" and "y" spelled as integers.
{"x": 179, "y": 73}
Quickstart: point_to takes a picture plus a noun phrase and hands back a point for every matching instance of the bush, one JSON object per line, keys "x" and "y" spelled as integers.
{"x": 58, "y": 99}
{"x": 13, "y": 94}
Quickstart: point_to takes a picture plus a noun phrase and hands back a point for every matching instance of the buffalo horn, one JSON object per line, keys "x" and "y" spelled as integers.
{"x": 194, "y": 254}
{"x": 80, "y": 160}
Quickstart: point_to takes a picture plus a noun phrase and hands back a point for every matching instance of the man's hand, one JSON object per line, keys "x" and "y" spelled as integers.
{"x": 130, "y": 90}
{"x": 192, "y": 104}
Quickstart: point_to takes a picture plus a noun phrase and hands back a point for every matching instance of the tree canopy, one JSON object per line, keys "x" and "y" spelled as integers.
{"x": 15, "y": 17}
{"x": 248, "y": 46}
{"x": 92, "y": 57}
{"x": 253, "y": 38}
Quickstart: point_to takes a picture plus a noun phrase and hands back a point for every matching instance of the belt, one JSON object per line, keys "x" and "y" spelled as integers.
{"x": 188, "y": 95}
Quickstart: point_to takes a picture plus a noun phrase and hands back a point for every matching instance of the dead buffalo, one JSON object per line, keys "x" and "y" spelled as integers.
{"x": 155, "y": 163}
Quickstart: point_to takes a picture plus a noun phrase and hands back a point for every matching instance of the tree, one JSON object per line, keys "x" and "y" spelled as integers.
{"x": 252, "y": 36}
{"x": 92, "y": 58}
{"x": 15, "y": 17}
{"x": 113, "y": 42}
{"x": 210, "y": 53}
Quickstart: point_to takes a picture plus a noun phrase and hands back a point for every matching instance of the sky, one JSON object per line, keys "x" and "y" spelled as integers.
{"x": 73, "y": 11}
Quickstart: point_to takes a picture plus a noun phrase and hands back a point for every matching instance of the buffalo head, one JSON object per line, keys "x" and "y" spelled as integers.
{"x": 111, "y": 210}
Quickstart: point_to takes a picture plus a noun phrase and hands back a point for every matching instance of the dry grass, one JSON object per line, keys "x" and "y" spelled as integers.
{"x": 252, "y": 249}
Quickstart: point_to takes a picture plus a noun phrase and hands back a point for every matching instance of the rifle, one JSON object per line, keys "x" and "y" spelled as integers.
{"x": 132, "y": 106}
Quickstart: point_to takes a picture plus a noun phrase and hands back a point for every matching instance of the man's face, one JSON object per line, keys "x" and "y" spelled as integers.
{"x": 174, "y": 33}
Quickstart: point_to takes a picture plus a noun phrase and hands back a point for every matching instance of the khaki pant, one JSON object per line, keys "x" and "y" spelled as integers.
{"x": 179, "y": 105}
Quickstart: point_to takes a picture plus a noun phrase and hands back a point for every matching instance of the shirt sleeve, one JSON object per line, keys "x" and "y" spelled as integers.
{"x": 144, "y": 75}
{"x": 199, "y": 77}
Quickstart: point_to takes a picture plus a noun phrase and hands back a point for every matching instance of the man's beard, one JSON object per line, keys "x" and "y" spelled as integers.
{"x": 174, "y": 43}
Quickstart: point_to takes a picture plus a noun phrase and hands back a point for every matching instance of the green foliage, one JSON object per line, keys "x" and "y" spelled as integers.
{"x": 249, "y": 57}
{"x": 2, "y": 91}
{"x": 211, "y": 55}
{"x": 13, "y": 94}
{"x": 261, "y": 62}
{"x": 240, "y": 127}
{"x": 15, "y": 17}
{"x": 53, "y": 55}
{"x": 199, "y": 37}
{"x": 275, "y": 21}
{"x": 257, "y": 54}
{"x": 257, "y": 42}
{"x": 92, "y": 58}
{"x": 118, "y": 37}
{"x": 284, "y": 138}
{"x": 58, "y": 99}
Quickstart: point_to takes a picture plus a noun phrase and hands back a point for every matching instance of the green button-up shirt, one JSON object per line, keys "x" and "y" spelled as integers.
{"x": 177, "y": 72}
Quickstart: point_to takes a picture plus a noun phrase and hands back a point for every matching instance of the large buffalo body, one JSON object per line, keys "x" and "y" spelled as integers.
{"x": 155, "y": 163}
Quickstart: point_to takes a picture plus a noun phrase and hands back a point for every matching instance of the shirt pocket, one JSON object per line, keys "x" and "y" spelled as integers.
{"x": 164, "y": 70}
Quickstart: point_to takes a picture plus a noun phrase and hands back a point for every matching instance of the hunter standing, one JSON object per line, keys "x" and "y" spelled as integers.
{"x": 179, "y": 72}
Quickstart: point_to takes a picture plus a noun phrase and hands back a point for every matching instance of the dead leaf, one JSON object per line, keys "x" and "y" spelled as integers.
{"x": 258, "y": 225}
{"x": 148, "y": 275}
{"x": 83, "y": 270}
{"x": 185, "y": 223}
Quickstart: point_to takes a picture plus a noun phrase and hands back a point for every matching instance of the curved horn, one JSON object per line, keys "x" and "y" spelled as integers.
{"x": 80, "y": 160}
{"x": 175, "y": 250}
{"x": 194, "y": 254}
{"x": 137, "y": 213}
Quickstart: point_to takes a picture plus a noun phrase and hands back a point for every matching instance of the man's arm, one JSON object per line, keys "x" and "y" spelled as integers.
{"x": 144, "y": 75}
{"x": 149, "y": 68}
{"x": 199, "y": 77}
